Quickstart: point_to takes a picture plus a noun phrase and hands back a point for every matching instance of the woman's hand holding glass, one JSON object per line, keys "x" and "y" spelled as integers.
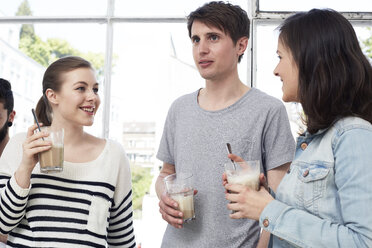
{"x": 244, "y": 201}
{"x": 33, "y": 145}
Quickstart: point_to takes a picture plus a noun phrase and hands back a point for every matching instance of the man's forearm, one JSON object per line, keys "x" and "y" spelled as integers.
{"x": 275, "y": 176}
{"x": 165, "y": 171}
{"x": 159, "y": 185}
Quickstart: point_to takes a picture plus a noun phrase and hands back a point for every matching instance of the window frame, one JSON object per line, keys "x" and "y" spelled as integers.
{"x": 259, "y": 17}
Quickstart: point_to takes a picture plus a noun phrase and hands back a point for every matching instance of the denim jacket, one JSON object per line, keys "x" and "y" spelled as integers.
{"x": 325, "y": 199}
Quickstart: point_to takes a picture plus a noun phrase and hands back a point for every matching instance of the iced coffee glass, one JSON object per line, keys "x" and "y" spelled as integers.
{"x": 52, "y": 159}
{"x": 179, "y": 187}
{"x": 245, "y": 173}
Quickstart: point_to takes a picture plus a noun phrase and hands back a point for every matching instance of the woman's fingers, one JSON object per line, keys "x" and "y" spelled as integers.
{"x": 37, "y": 143}
{"x": 224, "y": 179}
{"x": 235, "y": 187}
{"x": 33, "y": 136}
{"x": 33, "y": 145}
{"x": 236, "y": 158}
{"x": 35, "y": 139}
{"x": 40, "y": 148}
{"x": 232, "y": 197}
{"x": 31, "y": 129}
{"x": 236, "y": 213}
{"x": 263, "y": 181}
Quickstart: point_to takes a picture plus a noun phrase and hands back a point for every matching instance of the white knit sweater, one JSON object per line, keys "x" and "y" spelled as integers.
{"x": 86, "y": 205}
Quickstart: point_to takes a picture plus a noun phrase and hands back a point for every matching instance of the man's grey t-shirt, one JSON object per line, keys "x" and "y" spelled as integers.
{"x": 194, "y": 140}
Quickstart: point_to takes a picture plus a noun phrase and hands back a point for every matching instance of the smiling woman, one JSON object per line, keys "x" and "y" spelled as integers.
{"x": 316, "y": 201}
{"x": 91, "y": 206}
{"x": 77, "y": 99}
{"x": 24, "y": 58}
{"x": 288, "y": 72}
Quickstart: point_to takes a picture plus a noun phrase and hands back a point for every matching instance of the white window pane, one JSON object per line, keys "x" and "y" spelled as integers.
{"x": 295, "y": 5}
{"x": 55, "y": 7}
{"x": 24, "y": 66}
{"x": 161, "y": 8}
{"x": 153, "y": 66}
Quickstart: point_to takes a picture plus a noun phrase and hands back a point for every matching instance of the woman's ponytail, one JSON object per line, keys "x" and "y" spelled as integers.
{"x": 43, "y": 112}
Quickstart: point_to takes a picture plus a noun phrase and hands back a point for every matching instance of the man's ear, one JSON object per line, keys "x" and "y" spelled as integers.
{"x": 51, "y": 96}
{"x": 11, "y": 116}
{"x": 241, "y": 45}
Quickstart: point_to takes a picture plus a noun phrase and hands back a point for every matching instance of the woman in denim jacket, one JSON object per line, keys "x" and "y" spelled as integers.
{"x": 325, "y": 199}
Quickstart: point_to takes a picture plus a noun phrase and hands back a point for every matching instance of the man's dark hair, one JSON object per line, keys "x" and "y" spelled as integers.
{"x": 231, "y": 19}
{"x": 6, "y": 95}
{"x": 335, "y": 77}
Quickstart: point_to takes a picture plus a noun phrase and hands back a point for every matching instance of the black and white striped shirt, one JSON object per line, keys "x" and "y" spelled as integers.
{"x": 86, "y": 205}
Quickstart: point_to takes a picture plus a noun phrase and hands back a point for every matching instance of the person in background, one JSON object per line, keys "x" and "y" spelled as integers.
{"x": 89, "y": 203}
{"x": 7, "y": 115}
{"x": 199, "y": 125}
{"x": 325, "y": 198}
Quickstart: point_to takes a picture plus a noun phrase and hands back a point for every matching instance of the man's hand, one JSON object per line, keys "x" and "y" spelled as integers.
{"x": 169, "y": 211}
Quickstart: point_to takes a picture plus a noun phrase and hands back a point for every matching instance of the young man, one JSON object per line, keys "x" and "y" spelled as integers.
{"x": 6, "y": 112}
{"x": 199, "y": 125}
{"x": 6, "y": 120}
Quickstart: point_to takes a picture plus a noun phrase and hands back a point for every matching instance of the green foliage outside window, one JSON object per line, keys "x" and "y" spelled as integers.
{"x": 141, "y": 182}
{"x": 367, "y": 45}
{"x": 46, "y": 52}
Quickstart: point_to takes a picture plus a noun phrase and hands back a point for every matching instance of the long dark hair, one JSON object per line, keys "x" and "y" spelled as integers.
{"x": 335, "y": 77}
{"x": 53, "y": 79}
{"x": 231, "y": 19}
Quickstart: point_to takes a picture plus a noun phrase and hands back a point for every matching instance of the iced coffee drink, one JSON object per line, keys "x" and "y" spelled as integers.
{"x": 247, "y": 178}
{"x": 179, "y": 188}
{"x": 244, "y": 173}
{"x": 52, "y": 159}
{"x": 185, "y": 202}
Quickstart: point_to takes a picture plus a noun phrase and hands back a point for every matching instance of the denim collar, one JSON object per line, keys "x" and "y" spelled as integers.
{"x": 307, "y": 135}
